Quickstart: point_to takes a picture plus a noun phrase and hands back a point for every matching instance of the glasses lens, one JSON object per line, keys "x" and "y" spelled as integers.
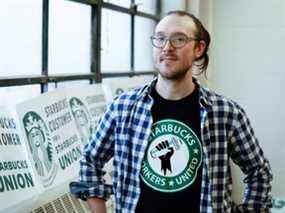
{"x": 158, "y": 41}
{"x": 178, "y": 40}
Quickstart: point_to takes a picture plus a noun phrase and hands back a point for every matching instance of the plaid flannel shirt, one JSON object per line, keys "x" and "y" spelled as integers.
{"x": 123, "y": 133}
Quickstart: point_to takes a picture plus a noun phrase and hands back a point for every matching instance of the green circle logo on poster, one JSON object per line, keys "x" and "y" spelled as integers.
{"x": 82, "y": 119}
{"x": 40, "y": 146}
{"x": 173, "y": 157}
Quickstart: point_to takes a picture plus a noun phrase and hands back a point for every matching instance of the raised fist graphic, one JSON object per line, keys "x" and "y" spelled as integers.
{"x": 166, "y": 151}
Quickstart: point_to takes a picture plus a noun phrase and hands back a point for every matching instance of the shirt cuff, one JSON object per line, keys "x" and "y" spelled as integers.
{"x": 84, "y": 190}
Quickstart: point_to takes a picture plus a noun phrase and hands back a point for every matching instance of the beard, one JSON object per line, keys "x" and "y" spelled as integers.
{"x": 170, "y": 73}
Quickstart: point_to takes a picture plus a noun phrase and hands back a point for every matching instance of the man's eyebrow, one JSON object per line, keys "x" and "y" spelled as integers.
{"x": 178, "y": 33}
{"x": 172, "y": 34}
{"x": 159, "y": 33}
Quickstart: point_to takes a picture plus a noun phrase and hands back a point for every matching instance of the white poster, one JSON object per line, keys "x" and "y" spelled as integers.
{"x": 19, "y": 186}
{"x": 278, "y": 205}
{"x": 52, "y": 139}
{"x": 115, "y": 86}
{"x": 41, "y": 144}
{"x": 87, "y": 105}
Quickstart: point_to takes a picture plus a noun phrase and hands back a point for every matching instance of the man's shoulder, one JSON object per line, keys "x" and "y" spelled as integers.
{"x": 131, "y": 96}
{"x": 219, "y": 101}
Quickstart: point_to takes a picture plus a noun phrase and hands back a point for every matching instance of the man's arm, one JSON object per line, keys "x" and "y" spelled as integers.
{"x": 97, "y": 205}
{"x": 248, "y": 155}
{"x": 96, "y": 153}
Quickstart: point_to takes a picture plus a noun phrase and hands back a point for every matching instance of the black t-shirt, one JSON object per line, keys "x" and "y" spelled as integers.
{"x": 171, "y": 173}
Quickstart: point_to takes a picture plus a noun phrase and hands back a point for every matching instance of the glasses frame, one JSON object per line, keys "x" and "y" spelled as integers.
{"x": 168, "y": 38}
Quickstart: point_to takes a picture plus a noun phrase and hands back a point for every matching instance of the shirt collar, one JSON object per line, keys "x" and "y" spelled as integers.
{"x": 204, "y": 93}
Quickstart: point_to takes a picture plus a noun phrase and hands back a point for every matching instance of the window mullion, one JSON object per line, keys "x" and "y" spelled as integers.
{"x": 96, "y": 16}
{"x": 45, "y": 23}
{"x": 132, "y": 30}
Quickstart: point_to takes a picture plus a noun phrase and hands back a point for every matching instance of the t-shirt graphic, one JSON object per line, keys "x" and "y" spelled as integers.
{"x": 173, "y": 157}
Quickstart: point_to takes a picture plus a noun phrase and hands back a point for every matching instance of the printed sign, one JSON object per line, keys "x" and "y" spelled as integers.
{"x": 52, "y": 139}
{"x": 41, "y": 143}
{"x": 115, "y": 86}
{"x": 18, "y": 182}
{"x": 278, "y": 205}
{"x": 87, "y": 105}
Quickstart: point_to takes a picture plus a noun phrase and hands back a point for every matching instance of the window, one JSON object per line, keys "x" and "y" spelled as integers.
{"x": 123, "y": 3}
{"x": 14, "y": 95}
{"x": 70, "y": 37}
{"x": 20, "y": 37}
{"x": 52, "y": 44}
{"x": 67, "y": 84}
{"x": 143, "y": 52}
{"x": 147, "y": 6}
{"x": 115, "y": 40}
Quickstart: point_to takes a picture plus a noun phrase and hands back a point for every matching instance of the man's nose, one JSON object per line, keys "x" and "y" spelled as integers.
{"x": 168, "y": 45}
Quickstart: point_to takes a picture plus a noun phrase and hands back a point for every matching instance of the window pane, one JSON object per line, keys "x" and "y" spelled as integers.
{"x": 143, "y": 49}
{"x": 20, "y": 37}
{"x": 67, "y": 84}
{"x": 14, "y": 95}
{"x": 147, "y": 6}
{"x": 123, "y": 3}
{"x": 69, "y": 37}
{"x": 115, "y": 41}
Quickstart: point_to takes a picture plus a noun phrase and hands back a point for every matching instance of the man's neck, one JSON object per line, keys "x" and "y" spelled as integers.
{"x": 175, "y": 89}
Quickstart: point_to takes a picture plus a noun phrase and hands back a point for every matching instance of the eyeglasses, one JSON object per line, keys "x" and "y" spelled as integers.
{"x": 176, "y": 41}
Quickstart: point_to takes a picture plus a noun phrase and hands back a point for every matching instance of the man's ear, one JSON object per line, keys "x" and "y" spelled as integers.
{"x": 200, "y": 48}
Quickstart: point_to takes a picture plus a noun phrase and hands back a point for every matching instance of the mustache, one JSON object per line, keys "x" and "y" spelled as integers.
{"x": 168, "y": 55}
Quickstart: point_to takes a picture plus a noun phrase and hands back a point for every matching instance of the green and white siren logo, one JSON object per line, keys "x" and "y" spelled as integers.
{"x": 173, "y": 157}
{"x": 40, "y": 146}
{"x": 82, "y": 119}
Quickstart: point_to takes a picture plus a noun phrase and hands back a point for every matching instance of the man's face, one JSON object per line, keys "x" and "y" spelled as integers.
{"x": 174, "y": 63}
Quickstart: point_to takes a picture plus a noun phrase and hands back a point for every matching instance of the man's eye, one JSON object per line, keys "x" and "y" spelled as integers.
{"x": 160, "y": 39}
{"x": 179, "y": 39}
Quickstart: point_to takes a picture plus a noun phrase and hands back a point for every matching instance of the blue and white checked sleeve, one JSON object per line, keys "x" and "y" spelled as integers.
{"x": 96, "y": 153}
{"x": 247, "y": 154}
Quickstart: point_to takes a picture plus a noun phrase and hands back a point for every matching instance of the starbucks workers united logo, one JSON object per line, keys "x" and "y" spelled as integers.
{"x": 173, "y": 157}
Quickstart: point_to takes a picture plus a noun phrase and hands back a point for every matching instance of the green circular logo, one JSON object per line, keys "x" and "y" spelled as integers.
{"x": 40, "y": 146}
{"x": 173, "y": 157}
{"x": 82, "y": 119}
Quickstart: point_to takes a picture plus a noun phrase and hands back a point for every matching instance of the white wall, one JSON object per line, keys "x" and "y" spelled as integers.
{"x": 247, "y": 61}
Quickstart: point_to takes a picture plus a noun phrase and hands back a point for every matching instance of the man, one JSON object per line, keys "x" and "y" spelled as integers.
{"x": 172, "y": 139}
